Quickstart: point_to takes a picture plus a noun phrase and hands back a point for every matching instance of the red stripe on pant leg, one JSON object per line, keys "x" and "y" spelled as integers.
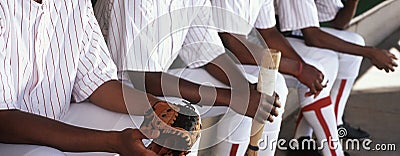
{"x": 326, "y": 101}
{"x": 316, "y": 107}
{"x": 234, "y": 149}
{"x": 339, "y": 96}
{"x": 326, "y": 130}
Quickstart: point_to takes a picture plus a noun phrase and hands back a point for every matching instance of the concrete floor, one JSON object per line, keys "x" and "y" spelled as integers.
{"x": 374, "y": 105}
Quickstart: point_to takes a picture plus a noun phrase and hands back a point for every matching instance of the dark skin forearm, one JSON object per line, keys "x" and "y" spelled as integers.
{"x": 248, "y": 54}
{"x": 244, "y": 53}
{"x": 289, "y": 66}
{"x": 225, "y": 70}
{"x": 382, "y": 59}
{"x": 245, "y": 101}
{"x": 275, "y": 40}
{"x": 21, "y": 127}
{"x": 122, "y": 99}
{"x": 222, "y": 68}
{"x": 25, "y": 128}
{"x": 344, "y": 16}
{"x": 315, "y": 37}
{"x": 163, "y": 84}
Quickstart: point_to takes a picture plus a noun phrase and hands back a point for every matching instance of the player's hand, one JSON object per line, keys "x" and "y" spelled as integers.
{"x": 382, "y": 59}
{"x": 263, "y": 107}
{"x": 130, "y": 142}
{"x": 312, "y": 78}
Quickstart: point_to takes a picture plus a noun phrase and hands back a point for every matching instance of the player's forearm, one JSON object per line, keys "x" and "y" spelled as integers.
{"x": 275, "y": 40}
{"x": 115, "y": 96}
{"x": 344, "y": 16}
{"x": 163, "y": 84}
{"x": 226, "y": 71}
{"x": 24, "y": 128}
{"x": 237, "y": 46}
{"x": 290, "y": 66}
{"x": 315, "y": 37}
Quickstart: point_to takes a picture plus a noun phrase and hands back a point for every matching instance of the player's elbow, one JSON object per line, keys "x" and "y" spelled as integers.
{"x": 313, "y": 36}
{"x": 339, "y": 26}
{"x": 313, "y": 42}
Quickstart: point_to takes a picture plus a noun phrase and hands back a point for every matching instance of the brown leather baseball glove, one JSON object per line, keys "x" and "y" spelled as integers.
{"x": 179, "y": 127}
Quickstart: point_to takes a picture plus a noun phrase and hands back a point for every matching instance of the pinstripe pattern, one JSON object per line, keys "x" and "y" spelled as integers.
{"x": 240, "y": 16}
{"x": 327, "y": 9}
{"x": 156, "y": 31}
{"x": 295, "y": 14}
{"x": 49, "y": 52}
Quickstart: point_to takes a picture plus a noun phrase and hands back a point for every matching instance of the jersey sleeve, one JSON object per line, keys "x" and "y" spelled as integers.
{"x": 297, "y": 14}
{"x": 266, "y": 17}
{"x": 116, "y": 20}
{"x": 233, "y": 16}
{"x": 7, "y": 91}
{"x": 327, "y": 9}
{"x": 95, "y": 64}
{"x": 202, "y": 43}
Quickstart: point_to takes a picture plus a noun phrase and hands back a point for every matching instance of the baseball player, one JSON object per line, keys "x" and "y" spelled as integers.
{"x": 336, "y": 53}
{"x": 261, "y": 14}
{"x": 51, "y": 51}
{"x": 145, "y": 37}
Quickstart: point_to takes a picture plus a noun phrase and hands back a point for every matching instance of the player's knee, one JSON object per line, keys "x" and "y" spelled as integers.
{"x": 351, "y": 66}
{"x": 358, "y": 59}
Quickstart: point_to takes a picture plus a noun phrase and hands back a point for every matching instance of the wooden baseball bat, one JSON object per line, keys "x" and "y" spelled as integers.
{"x": 266, "y": 85}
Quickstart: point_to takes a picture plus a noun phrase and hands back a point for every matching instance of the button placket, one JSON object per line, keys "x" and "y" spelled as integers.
{"x": 42, "y": 42}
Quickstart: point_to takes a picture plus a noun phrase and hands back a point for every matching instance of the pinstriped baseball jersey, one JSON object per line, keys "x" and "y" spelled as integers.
{"x": 240, "y": 16}
{"x": 147, "y": 35}
{"x": 48, "y": 52}
{"x": 295, "y": 14}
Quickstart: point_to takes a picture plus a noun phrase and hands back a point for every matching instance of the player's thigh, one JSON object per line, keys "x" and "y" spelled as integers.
{"x": 325, "y": 60}
{"x": 349, "y": 66}
{"x": 91, "y": 116}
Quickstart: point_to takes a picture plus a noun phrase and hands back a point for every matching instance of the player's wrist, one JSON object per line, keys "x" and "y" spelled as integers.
{"x": 112, "y": 141}
{"x": 290, "y": 66}
{"x": 299, "y": 72}
{"x": 368, "y": 52}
